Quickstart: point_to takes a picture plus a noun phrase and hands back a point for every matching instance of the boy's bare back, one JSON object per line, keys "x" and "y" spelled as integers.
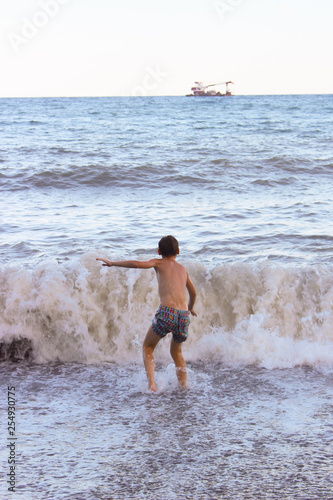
{"x": 173, "y": 280}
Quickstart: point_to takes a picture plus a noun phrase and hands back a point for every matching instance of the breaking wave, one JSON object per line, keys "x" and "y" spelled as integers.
{"x": 265, "y": 314}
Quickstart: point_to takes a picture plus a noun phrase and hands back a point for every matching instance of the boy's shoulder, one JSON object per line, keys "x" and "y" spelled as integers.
{"x": 165, "y": 262}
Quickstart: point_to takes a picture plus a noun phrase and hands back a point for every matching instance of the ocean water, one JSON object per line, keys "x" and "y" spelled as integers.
{"x": 245, "y": 184}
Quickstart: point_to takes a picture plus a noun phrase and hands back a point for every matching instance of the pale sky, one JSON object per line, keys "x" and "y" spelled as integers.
{"x": 154, "y": 47}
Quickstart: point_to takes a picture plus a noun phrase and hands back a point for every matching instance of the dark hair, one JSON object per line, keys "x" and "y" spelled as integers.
{"x": 168, "y": 246}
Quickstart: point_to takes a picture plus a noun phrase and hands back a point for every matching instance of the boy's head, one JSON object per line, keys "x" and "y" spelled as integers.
{"x": 168, "y": 246}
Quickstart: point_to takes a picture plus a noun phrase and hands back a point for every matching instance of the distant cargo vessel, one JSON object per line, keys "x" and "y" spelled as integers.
{"x": 200, "y": 90}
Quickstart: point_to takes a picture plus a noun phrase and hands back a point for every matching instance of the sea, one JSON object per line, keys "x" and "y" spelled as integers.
{"x": 245, "y": 183}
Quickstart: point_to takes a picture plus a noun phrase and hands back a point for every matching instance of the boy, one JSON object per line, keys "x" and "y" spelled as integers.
{"x": 173, "y": 313}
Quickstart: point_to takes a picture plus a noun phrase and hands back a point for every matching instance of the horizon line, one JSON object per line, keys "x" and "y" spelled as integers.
{"x": 148, "y": 96}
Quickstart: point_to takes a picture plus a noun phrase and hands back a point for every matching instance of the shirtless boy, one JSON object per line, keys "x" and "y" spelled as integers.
{"x": 174, "y": 312}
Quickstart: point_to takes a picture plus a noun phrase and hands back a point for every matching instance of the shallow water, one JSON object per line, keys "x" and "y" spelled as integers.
{"x": 94, "y": 432}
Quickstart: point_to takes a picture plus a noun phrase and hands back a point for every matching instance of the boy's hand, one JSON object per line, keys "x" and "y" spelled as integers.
{"x": 107, "y": 263}
{"x": 192, "y": 311}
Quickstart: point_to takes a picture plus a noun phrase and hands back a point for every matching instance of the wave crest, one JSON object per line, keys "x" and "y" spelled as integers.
{"x": 266, "y": 314}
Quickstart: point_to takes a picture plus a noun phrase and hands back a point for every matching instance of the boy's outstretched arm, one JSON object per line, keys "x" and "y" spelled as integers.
{"x": 139, "y": 264}
{"x": 193, "y": 295}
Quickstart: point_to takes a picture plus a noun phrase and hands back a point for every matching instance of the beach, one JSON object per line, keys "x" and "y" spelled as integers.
{"x": 244, "y": 183}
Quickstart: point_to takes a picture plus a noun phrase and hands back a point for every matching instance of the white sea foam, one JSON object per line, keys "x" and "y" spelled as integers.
{"x": 266, "y": 314}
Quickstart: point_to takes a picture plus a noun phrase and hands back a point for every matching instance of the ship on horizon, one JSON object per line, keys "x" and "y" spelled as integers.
{"x": 200, "y": 90}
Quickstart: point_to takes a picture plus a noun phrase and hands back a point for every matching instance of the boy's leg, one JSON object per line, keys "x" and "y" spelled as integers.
{"x": 177, "y": 356}
{"x": 149, "y": 345}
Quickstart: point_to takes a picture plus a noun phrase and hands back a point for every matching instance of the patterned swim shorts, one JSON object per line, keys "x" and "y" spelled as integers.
{"x": 168, "y": 319}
